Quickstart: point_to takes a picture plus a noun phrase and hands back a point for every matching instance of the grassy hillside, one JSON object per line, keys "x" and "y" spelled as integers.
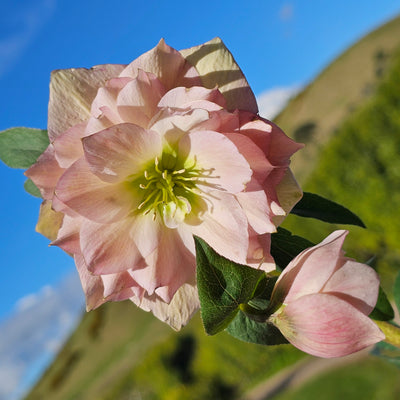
{"x": 314, "y": 115}
{"x": 360, "y": 168}
{"x": 119, "y": 351}
{"x": 350, "y": 119}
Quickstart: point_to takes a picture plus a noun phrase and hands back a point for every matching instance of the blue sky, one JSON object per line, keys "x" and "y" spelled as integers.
{"x": 278, "y": 44}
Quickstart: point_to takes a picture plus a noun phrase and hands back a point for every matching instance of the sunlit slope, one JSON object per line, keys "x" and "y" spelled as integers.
{"x": 119, "y": 352}
{"x": 360, "y": 168}
{"x": 108, "y": 341}
{"x": 313, "y": 116}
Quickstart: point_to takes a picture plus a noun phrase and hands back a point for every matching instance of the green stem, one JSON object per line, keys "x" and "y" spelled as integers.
{"x": 254, "y": 313}
{"x": 392, "y": 332}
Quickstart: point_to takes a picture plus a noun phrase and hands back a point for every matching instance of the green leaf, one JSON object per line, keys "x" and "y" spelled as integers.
{"x": 383, "y": 310}
{"x": 285, "y": 246}
{"x": 396, "y": 291}
{"x": 314, "y": 206}
{"x": 31, "y": 188}
{"x": 21, "y": 147}
{"x": 223, "y": 285}
{"x": 248, "y": 330}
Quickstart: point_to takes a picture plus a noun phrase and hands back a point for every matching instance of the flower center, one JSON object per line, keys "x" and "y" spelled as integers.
{"x": 169, "y": 188}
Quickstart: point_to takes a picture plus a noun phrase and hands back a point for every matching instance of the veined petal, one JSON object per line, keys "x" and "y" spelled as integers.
{"x": 68, "y": 235}
{"x": 254, "y": 155}
{"x": 220, "y": 121}
{"x": 227, "y": 169}
{"x": 281, "y": 147}
{"x": 182, "y": 97}
{"x": 218, "y": 68}
{"x": 105, "y": 120}
{"x": 108, "y": 248}
{"x": 145, "y": 232}
{"x": 137, "y": 101}
{"x": 178, "y": 312}
{"x": 258, "y": 254}
{"x": 92, "y": 198}
{"x": 121, "y": 151}
{"x": 172, "y": 125}
{"x": 45, "y": 173}
{"x": 310, "y": 270}
{"x": 72, "y": 92}
{"x": 277, "y": 146}
{"x": 356, "y": 283}
{"x": 169, "y": 266}
{"x": 255, "y": 204}
{"x": 224, "y": 227}
{"x": 326, "y": 326}
{"x": 119, "y": 286}
{"x": 288, "y": 193}
{"x": 92, "y": 285}
{"x": 68, "y": 145}
{"x": 167, "y": 64}
{"x": 107, "y": 96}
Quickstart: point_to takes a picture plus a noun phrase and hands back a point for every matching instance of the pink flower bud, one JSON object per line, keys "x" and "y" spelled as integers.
{"x": 325, "y": 301}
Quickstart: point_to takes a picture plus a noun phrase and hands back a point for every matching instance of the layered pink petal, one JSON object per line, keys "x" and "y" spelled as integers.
{"x": 356, "y": 283}
{"x": 310, "y": 270}
{"x": 172, "y": 125}
{"x": 178, "y": 312}
{"x": 218, "y": 68}
{"x": 107, "y": 97}
{"x": 254, "y": 155}
{"x": 169, "y": 266}
{"x": 121, "y": 151}
{"x": 224, "y": 167}
{"x": 119, "y": 286}
{"x": 277, "y": 146}
{"x": 193, "y": 97}
{"x": 108, "y": 248}
{"x": 327, "y": 326}
{"x": 224, "y": 227}
{"x": 92, "y": 198}
{"x": 137, "y": 101}
{"x": 145, "y": 232}
{"x": 72, "y": 92}
{"x": 68, "y": 235}
{"x": 288, "y": 193}
{"x": 258, "y": 253}
{"x": 167, "y": 64}
{"x": 45, "y": 173}
{"x": 92, "y": 285}
{"x": 255, "y": 204}
{"x": 68, "y": 145}
{"x": 220, "y": 121}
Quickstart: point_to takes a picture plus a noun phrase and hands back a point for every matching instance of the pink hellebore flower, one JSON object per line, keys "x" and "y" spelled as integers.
{"x": 144, "y": 156}
{"x": 326, "y": 299}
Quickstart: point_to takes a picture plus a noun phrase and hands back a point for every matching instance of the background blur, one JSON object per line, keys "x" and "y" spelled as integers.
{"x": 281, "y": 46}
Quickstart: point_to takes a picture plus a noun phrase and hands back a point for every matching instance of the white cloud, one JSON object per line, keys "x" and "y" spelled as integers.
{"x": 272, "y": 101}
{"x": 31, "y": 300}
{"x": 35, "y": 332}
{"x": 28, "y": 20}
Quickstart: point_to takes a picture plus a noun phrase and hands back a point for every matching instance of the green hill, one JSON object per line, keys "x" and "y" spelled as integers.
{"x": 349, "y": 118}
{"x": 315, "y": 114}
